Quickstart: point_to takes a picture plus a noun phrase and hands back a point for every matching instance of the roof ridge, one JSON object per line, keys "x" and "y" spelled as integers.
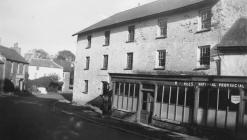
{"x": 140, "y": 12}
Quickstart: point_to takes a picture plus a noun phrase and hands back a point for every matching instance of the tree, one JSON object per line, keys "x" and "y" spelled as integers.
{"x": 65, "y": 55}
{"x": 36, "y": 53}
{"x": 40, "y": 53}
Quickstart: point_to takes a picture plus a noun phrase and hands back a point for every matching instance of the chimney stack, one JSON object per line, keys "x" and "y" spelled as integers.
{"x": 16, "y": 48}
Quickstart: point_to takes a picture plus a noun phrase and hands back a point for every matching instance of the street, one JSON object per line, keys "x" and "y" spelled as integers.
{"x": 34, "y": 120}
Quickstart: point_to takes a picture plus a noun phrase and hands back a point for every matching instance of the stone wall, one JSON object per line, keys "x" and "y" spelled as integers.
{"x": 181, "y": 45}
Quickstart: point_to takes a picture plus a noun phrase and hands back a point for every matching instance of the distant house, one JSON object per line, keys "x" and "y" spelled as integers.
{"x": 68, "y": 75}
{"x": 13, "y": 69}
{"x": 44, "y": 67}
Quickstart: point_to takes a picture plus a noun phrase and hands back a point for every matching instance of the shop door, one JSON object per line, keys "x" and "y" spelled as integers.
{"x": 147, "y": 107}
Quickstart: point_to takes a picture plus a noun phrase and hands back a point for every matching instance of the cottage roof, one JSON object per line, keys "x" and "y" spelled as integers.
{"x": 12, "y": 55}
{"x": 44, "y": 63}
{"x": 65, "y": 64}
{"x": 146, "y": 10}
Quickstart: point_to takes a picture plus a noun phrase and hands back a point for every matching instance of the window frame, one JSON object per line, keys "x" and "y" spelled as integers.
{"x": 131, "y": 33}
{"x": 158, "y": 60}
{"x": 204, "y": 54}
{"x": 161, "y": 28}
{"x": 205, "y": 23}
{"x": 87, "y": 63}
{"x": 105, "y": 62}
{"x": 85, "y": 87}
{"x": 89, "y": 41}
{"x": 107, "y": 38}
{"x": 129, "y": 63}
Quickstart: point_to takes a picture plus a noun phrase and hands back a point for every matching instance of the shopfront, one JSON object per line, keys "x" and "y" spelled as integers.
{"x": 208, "y": 101}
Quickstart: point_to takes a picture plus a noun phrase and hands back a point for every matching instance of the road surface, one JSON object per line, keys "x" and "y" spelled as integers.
{"x": 22, "y": 119}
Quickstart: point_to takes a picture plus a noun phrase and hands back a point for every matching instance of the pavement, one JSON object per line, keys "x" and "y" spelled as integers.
{"x": 56, "y": 109}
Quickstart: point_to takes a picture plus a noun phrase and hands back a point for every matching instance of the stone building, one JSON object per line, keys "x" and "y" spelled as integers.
{"x": 13, "y": 70}
{"x": 168, "y": 61}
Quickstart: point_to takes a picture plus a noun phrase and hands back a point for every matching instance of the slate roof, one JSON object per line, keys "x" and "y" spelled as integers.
{"x": 65, "y": 64}
{"x": 146, "y": 10}
{"x": 11, "y": 55}
{"x": 236, "y": 35}
{"x": 234, "y": 40}
{"x": 44, "y": 63}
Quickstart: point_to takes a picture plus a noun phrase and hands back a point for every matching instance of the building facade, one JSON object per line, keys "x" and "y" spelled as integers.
{"x": 172, "y": 38}
{"x": 13, "y": 70}
{"x": 44, "y": 67}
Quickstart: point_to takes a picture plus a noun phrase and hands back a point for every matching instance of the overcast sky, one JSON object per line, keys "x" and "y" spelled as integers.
{"x": 49, "y": 24}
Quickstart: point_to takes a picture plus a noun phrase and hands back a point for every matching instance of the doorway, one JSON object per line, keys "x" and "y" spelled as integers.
{"x": 147, "y": 107}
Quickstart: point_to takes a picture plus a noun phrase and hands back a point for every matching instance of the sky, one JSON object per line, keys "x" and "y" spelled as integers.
{"x": 49, "y": 24}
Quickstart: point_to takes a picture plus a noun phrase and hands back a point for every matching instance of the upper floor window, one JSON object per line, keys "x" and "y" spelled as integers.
{"x": 129, "y": 65}
{"x": 162, "y": 28}
{"x": 205, "y": 19}
{"x": 131, "y": 36}
{"x": 204, "y": 55}
{"x": 89, "y": 41}
{"x": 105, "y": 62}
{"x": 161, "y": 59}
{"x": 85, "y": 86}
{"x": 107, "y": 38}
{"x": 87, "y": 63}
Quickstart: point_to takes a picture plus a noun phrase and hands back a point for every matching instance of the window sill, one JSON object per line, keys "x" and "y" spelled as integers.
{"x": 128, "y": 69}
{"x": 203, "y": 30}
{"x": 203, "y": 67}
{"x": 85, "y": 92}
{"x": 159, "y": 68}
{"x": 87, "y": 47}
{"x": 103, "y": 69}
{"x": 105, "y": 45}
{"x": 86, "y": 69}
{"x": 132, "y": 41}
{"x": 160, "y": 37}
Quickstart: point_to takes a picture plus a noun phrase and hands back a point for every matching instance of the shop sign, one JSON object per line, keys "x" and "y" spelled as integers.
{"x": 235, "y": 99}
{"x": 205, "y": 84}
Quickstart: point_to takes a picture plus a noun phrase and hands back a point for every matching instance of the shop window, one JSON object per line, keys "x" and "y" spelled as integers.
{"x": 131, "y": 90}
{"x": 126, "y": 89}
{"x": 190, "y": 96}
{"x": 173, "y": 95}
{"x": 166, "y": 94}
{"x": 223, "y": 99}
{"x": 181, "y": 96}
{"x": 159, "y": 94}
{"x": 121, "y": 89}
{"x": 137, "y": 90}
{"x": 212, "y": 98}
{"x": 116, "y": 88}
{"x": 203, "y": 98}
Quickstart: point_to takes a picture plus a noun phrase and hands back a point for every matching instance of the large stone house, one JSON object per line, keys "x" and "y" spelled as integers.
{"x": 13, "y": 70}
{"x": 175, "y": 61}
